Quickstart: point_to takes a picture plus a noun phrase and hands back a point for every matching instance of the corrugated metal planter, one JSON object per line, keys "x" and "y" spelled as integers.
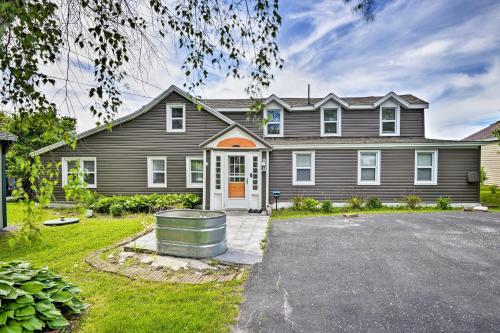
{"x": 191, "y": 233}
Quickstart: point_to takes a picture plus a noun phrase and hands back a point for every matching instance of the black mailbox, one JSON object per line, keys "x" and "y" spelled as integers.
{"x": 276, "y": 195}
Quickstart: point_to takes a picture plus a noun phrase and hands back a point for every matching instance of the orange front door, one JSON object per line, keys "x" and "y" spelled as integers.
{"x": 236, "y": 186}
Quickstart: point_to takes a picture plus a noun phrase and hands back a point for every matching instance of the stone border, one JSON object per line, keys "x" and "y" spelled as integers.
{"x": 144, "y": 273}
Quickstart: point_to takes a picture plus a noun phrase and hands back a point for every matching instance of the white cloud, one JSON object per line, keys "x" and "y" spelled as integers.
{"x": 446, "y": 52}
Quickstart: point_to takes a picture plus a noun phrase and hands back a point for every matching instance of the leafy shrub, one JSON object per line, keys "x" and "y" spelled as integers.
{"x": 493, "y": 189}
{"x": 443, "y": 203}
{"x": 482, "y": 175}
{"x": 412, "y": 201}
{"x": 116, "y": 210}
{"x": 355, "y": 202}
{"x": 298, "y": 203}
{"x": 142, "y": 203}
{"x": 326, "y": 206}
{"x": 35, "y": 299}
{"x": 373, "y": 203}
{"x": 310, "y": 204}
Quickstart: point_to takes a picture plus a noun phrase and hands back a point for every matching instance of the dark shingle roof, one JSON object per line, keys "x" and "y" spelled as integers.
{"x": 484, "y": 134}
{"x": 296, "y": 101}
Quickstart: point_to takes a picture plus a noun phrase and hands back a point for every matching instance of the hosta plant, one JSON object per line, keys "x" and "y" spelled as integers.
{"x": 34, "y": 299}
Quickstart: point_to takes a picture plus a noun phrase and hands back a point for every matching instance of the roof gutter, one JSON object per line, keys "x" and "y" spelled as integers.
{"x": 321, "y": 146}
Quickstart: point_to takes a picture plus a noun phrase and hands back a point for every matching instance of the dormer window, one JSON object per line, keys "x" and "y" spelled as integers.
{"x": 176, "y": 118}
{"x": 389, "y": 121}
{"x": 330, "y": 121}
{"x": 274, "y": 126}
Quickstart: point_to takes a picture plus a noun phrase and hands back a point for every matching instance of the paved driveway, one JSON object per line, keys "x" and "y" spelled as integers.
{"x": 376, "y": 273}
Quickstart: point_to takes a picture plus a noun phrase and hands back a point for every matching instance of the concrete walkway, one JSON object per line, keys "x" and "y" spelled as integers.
{"x": 244, "y": 233}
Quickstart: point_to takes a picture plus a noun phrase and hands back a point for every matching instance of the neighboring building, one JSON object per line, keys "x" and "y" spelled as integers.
{"x": 490, "y": 152}
{"x": 6, "y": 141}
{"x": 328, "y": 148}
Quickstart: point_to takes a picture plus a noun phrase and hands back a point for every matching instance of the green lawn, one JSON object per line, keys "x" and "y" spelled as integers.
{"x": 119, "y": 304}
{"x": 289, "y": 213}
{"x": 488, "y": 198}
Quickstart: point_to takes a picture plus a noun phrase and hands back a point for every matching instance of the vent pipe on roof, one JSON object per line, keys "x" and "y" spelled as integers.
{"x": 308, "y": 93}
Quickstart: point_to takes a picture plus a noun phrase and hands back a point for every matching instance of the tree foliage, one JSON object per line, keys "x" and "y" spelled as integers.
{"x": 113, "y": 38}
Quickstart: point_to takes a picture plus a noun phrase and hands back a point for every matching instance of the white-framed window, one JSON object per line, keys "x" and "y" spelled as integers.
{"x": 86, "y": 167}
{"x": 369, "y": 167}
{"x": 194, "y": 172}
{"x": 274, "y": 126}
{"x": 255, "y": 173}
{"x": 176, "y": 118}
{"x": 303, "y": 167}
{"x": 157, "y": 171}
{"x": 218, "y": 170}
{"x": 331, "y": 121}
{"x": 426, "y": 164}
{"x": 389, "y": 121}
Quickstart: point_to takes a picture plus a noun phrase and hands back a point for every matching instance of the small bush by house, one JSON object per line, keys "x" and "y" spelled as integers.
{"x": 298, "y": 203}
{"x": 326, "y": 206}
{"x": 443, "y": 203}
{"x": 140, "y": 203}
{"x": 374, "y": 203}
{"x": 412, "y": 201}
{"x": 310, "y": 204}
{"x": 35, "y": 299}
{"x": 355, "y": 202}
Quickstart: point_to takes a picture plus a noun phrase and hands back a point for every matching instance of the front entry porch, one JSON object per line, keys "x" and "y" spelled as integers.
{"x": 236, "y": 169}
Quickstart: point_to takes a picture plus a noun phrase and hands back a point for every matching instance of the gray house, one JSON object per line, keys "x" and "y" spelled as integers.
{"x": 328, "y": 148}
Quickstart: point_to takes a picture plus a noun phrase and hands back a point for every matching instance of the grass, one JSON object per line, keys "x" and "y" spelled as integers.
{"x": 489, "y": 198}
{"x": 119, "y": 304}
{"x": 289, "y": 213}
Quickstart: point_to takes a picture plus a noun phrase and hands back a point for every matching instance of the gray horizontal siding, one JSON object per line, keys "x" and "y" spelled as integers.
{"x": 355, "y": 123}
{"x": 336, "y": 176}
{"x": 122, "y": 153}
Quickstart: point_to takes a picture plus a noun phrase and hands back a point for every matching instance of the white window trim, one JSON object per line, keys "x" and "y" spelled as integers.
{"x": 150, "y": 171}
{"x": 64, "y": 169}
{"x": 339, "y": 122}
{"x": 282, "y": 121}
{"x": 434, "y": 168}
{"x": 189, "y": 184}
{"x": 377, "y": 168}
{"x": 296, "y": 182}
{"x": 398, "y": 112}
{"x": 169, "y": 118}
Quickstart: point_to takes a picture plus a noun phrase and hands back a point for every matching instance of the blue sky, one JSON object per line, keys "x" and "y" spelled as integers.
{"x": 444, "y": 51}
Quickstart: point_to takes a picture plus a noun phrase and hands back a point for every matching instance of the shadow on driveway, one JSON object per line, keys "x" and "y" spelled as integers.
{"x": 394, "y": 272}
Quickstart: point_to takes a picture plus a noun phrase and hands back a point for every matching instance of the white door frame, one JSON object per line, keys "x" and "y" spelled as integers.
{"x": 252, "y": 198}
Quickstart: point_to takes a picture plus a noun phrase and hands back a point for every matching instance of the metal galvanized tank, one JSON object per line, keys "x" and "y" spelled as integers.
{"x": 191, "y": 233}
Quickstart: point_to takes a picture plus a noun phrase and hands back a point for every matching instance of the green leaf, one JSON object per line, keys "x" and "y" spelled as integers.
{"x": 27, "y": 310}
{"x": 58, "y": 323}
{"x": 32, "y": 324}
{"x": 5, "y": 289}
{"x": 25, "y": 299}
{"x": 62, "y": 296}
{"x": 11, "y": 328}
{"x": 51, "y": 314}
{"x": 4, "y": 315}
{"x": 44, "y": 305}
{"x": 12, "y": 295}
{"x": 33, "y": 287}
